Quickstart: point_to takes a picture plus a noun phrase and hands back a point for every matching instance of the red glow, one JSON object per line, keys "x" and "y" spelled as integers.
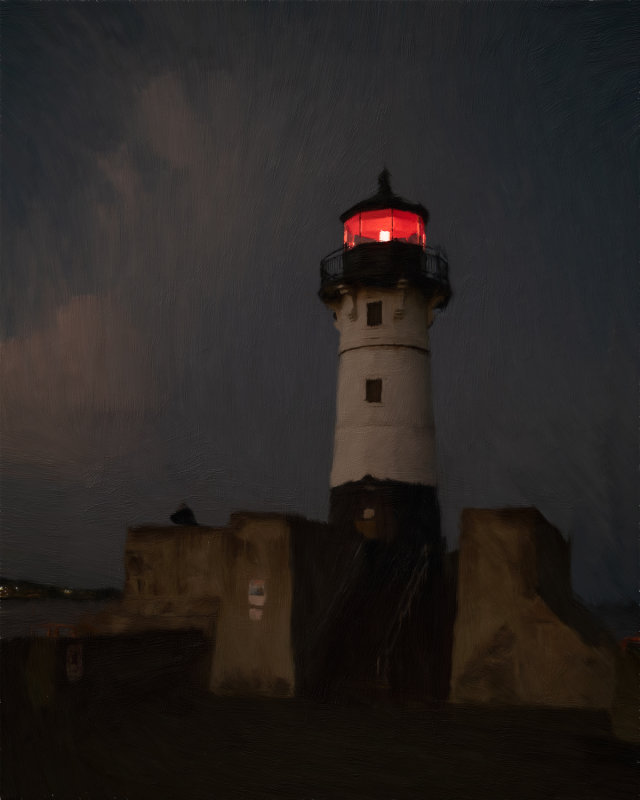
{"x": 382, "y": 226}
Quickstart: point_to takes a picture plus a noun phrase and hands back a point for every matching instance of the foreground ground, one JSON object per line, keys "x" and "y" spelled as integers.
{"x": 185, "y": 744}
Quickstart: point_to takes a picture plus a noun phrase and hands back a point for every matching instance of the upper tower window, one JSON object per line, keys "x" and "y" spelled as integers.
{"x": 384, "y": 225}
{"x": 374, "y": 313}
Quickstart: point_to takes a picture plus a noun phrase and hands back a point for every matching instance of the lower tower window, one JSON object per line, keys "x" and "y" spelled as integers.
{"x": 374, "y": 390}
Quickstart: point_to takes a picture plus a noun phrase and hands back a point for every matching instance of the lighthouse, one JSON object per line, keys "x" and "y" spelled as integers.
{"x": 383, "y": 287}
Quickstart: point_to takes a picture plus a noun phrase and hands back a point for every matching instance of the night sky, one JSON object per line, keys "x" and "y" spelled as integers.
{"x": 172, "y": 175}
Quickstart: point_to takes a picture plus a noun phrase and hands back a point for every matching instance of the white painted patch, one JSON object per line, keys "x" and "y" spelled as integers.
{"x": 257, "y": 598}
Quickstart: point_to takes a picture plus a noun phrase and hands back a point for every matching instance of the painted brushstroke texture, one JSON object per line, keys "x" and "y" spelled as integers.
{"x": 172, "y": 175}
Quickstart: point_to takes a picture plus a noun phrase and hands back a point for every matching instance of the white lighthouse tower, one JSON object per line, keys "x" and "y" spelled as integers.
{"x": 383, "y": 286}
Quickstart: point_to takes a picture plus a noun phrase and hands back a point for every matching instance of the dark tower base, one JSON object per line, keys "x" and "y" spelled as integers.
{"x": 387, "y": 633}
{"x": 387, "y": 510}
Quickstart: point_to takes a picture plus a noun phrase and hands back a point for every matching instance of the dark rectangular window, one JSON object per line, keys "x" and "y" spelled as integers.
{"x": 374, "y": 313}
{"x": 374, "y": 391}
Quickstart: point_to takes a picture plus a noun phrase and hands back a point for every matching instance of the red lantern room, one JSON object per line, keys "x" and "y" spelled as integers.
{"x": 384, "y": 241}
{"x": 386, "y": 225}
{"x": 385, "y": 217}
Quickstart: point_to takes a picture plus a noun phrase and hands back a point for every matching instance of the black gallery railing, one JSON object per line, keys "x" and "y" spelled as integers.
{"x": 432, "y": 263}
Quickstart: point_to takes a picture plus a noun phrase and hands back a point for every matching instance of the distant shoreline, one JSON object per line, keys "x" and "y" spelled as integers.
{"x": 11, "y": 589}
{"x": 79, "y": 598}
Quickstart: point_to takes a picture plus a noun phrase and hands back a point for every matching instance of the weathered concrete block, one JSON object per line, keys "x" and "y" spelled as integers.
{"x": 253, "y": 644}
{"x": 521, "y": 637}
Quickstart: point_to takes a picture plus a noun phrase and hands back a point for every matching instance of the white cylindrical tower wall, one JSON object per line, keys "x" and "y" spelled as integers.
{"x": 384, "y": 431}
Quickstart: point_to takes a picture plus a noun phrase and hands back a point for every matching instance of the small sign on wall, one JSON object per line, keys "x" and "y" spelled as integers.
{"x": 257, "y": 598}
{"x": 74, "y": 665}
{"x": 257, "y": 594}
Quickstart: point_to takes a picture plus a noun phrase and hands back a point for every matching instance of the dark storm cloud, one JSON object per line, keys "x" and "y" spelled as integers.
{"x": 172, "y": 175}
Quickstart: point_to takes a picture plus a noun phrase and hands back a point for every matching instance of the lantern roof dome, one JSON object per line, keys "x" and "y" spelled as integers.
{"x": 385, "y": 198}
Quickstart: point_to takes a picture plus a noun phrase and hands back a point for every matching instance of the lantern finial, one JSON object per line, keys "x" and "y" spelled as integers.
{"x": 384, "y": 182}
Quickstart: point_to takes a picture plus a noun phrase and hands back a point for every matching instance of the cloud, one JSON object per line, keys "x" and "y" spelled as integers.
{"x": 75, "y": 391}
{"x": 166, "y": 121}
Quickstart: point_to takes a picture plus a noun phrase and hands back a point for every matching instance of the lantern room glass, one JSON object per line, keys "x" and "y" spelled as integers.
{"x": 384, "y": 225}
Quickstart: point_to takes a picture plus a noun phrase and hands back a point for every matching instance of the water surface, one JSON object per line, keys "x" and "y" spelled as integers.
{"x": 18, "y": 617}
